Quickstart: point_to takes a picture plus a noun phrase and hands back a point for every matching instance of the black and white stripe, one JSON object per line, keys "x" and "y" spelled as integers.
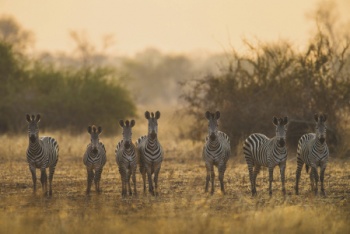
{"x": 94, "y": 158}
{"x": 126, "y": 158}
{"x": 150, "y": 152}
{"x": 42, "y": 153}
{"x": 313, "y": 151}
{"x": 259, "y": 151}
{"x": 216, "y": 151}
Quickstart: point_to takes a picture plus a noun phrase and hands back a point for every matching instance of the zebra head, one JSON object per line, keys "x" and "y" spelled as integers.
{"x": 94, "y": 132}
{"x": 33, "y": 127}
{"x": 321, "y": 127}
{"x": 281, "y": 130}
{"x": 127, "y": 133}
{"x": 152, "y": 124}
{"x": 213, "y": 124}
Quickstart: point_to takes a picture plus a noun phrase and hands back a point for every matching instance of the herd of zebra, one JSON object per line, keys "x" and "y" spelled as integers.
{"x": 147, "y": 152}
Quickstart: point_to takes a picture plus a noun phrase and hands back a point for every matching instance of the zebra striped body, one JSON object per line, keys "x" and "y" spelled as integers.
{"x": 126, "y": 158}
{"x": 94, "y": 158}
{"x": 313, "y": 151}
{"x": 42, "y": 153}
{"x": 216, "y": 152}
{"x": 150, "y": 153}
{"x": 260, "y": 151}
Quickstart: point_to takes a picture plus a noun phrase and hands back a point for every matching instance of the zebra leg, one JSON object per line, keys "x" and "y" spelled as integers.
{"x": 300, "y": 165}
{"x": 90, "y": 177}
{"x": 129, "y": 182}
{"x": 222, "y": 170}
{"x": 323, "y": 169}
{"x": 122, "y": 172}
{"x": 212, "y": 176}
{"x": 156, "y": 173}
{"x": 316, "y": 179}
{"x": 255, "y": 175}
{"x": 250, "y": 164}
{"x": 33, "y": 171}
{"x": 51, "y": 172}
{"x": 97, "y": 179}
{"x": 207, "y": 178}
{"x": 270, "y": 180}
{"x": 134, "y": 180}
{"x": 144, "y": 181}
{"x": 150, "y": 183}
{"x": 282, "y": 171}
{"x": 43, "y": 180}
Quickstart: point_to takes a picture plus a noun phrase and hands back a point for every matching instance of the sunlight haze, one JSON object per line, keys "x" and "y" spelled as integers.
{"x": 173, "y": 26}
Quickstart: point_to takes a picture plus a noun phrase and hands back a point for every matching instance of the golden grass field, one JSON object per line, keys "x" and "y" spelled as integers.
{"x": 181, "y": 207}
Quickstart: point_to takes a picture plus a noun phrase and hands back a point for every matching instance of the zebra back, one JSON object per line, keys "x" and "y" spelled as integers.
{"x": 261, "y": 150}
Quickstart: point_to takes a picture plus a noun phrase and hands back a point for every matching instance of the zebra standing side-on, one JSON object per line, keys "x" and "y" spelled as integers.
{"x": 313, "y": 151}
{"x": 42, "y": 153}
{"x": 259, "y": 150}
{"x": 216, "y": 151}
{"x": 151, "y": 153}
{"x": 94, "y": 158}
{"x": 126, "y": 157}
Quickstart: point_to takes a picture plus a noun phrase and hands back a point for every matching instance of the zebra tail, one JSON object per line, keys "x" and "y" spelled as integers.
{"x": 307, "y": 168}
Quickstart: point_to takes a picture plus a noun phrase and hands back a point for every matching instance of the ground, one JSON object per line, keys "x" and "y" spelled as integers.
{"x": 182, "y": 205}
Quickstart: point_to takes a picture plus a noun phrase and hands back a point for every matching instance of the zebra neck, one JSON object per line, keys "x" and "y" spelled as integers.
{"x": 35, "y": 147}
{"x": 319, "y": 146}
{"x": 152, "y": 143}
{"x": 213, "y": 144}
{"x": 279, "y": 149}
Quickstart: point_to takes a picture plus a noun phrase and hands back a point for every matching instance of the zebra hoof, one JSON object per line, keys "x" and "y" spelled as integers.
{"x": 323, "y": 193}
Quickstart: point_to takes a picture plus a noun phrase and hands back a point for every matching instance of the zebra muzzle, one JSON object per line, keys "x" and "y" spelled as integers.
{"x": 322, "y": 140}
{"x": 32, "y": 138}
{"x": 94, "y": 150}
{"x": 281, "y": 142}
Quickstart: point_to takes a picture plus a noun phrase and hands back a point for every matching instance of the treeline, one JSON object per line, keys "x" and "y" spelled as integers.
{"x": 275, "y": 79}
{"x": 68, "y": 98}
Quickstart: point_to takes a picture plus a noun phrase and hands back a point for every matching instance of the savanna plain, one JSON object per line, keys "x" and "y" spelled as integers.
{"x": 181, "y": 206}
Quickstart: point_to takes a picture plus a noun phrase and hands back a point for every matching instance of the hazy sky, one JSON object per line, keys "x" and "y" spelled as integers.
{"x": 169, "y": 25}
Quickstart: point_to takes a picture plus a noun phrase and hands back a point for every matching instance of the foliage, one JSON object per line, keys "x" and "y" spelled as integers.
{"x": 67, "y": 97}
{"x": 274, "y": 79}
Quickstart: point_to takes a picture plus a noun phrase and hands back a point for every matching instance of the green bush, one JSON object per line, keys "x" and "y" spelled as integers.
{"x": 67, "y": 98}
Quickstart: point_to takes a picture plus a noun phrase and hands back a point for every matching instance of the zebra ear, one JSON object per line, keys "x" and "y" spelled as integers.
{"x": 89, "y": 129}
{"x": 316, "y": 117}
{"x": 132, "y": 123}
{"x": 285, "y": 120}
{"x": 147, "y": 115}
{"x": 324, "y": 117}
{"x": 121, "y": 123}
{"x": 37, "y": 118}
{"x": 217, "y": 115}
{"x": 28, "y": 118}
{"x": 207, "y": 115}
{"x": 275, "y": 121}
{"x": 157, "y": 115}
{"x": 99, "y": 129}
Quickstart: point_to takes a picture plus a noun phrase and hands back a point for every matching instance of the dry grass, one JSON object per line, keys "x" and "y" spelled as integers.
{"x": 181, "y": 207}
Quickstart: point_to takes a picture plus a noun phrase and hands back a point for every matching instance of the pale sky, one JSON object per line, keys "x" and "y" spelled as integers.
{"x": 173, "y": 26}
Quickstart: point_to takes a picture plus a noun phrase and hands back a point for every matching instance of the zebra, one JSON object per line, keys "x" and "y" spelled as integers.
{"x": 42, "y": 153}
{"x": 126, "y": 157}
{"x": 259, "y": 150}
{"x": 216, "y": 151}
{"x": 94, "y": 158}
{"x": 313, "y": 151}
{"x": 150, "y": 152}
